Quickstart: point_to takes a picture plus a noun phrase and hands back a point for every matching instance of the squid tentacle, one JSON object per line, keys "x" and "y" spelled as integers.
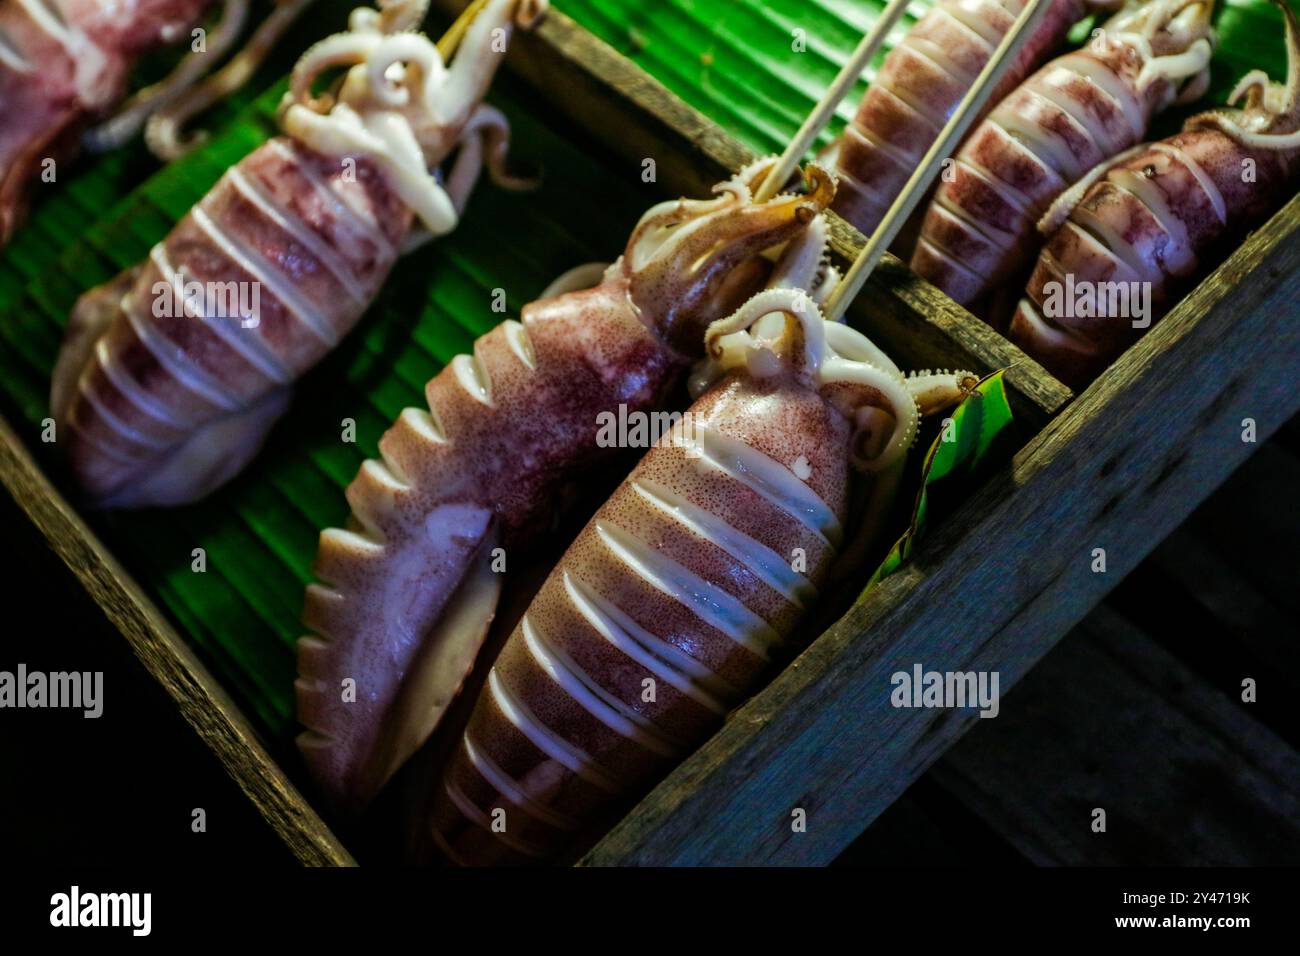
{"x": 136, "y": 111}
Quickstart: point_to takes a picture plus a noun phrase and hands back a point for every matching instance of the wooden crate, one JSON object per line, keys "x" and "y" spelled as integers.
{"x": 993, "y": 588}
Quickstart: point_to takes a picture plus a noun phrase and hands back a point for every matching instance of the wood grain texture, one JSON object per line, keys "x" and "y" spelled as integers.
{"x": 201, "y": 700}
{"x": 995, "y": 587}
{"x": 1110, "y": 719}
{"x": 625, "y": 108}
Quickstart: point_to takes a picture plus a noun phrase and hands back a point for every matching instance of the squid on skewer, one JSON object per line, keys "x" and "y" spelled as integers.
{"x": 1126, "y": 236}
{"x": 670, "y": 605}
{"x": 160, "y": 394}
{"x": 1083, "y": 108}
{"x": 919, "y": 85}
{"x": 407, "y": 591}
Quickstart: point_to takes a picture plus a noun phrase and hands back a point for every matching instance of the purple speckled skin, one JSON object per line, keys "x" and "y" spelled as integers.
{"x": 565, "y": 731}
{"x": 506, "y": 431}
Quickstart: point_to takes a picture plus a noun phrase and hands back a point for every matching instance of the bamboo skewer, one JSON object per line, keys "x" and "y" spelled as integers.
{"x": 456, "y": 32}
{"x": 963, "y": 117}
{"x": 829, "y": 103}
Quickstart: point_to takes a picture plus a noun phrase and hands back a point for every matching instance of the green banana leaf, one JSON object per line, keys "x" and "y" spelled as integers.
{"x": 731, "y": 58}
{"x": 979, "y": 435}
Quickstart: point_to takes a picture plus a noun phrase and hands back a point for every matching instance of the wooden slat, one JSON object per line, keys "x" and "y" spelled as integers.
{"x": 200, "y": 698}
{"x": 626, "y": 109}
{"x": 996, "y": 586}
{"x": 1110, "y": 719}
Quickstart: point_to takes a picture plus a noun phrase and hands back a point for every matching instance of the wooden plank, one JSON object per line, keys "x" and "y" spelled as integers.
{"x": 994, "y": 588}
{"x": 1110, "y": 719}
{"x": 200, "y": 698}
{"x": 627, "y": 110}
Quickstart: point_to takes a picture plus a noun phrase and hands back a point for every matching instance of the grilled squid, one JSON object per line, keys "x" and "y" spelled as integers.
{"x": 1078, "y": 111}
{"x": 408, "y": 589}
{"x": 63, "y": 62}
{"x": 1123, "y": 240}
{"x": 171, "y": 375}
{"x": 919, "y": 85}
{"x": 673, "y": 602}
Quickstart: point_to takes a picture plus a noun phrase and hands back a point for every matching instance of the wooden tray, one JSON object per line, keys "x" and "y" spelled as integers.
{"x": 993, "y": 588}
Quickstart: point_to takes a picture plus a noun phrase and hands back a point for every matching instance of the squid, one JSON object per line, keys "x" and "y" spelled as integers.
{"x": 921, "y": 82}
{"x": 408, "y": 590}
{"x": 673, "y": 602}
{"x": 1125, "y": 238}
{"x": 1083, "y": 108}
{"x": 171, "y": 375}
{"x": 62, "y": 62}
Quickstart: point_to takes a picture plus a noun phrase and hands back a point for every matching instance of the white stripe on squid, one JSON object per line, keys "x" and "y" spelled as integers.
{"x": 931, "y": 51}
{"x": 508, "y": 788}
{"x": 667, "y": 662}
{"x": 706, "y": 601}
{"x": 178, "y": 365}
{"x": 591, "y": 697}
{"x": 472, "y": 813}
{"x": 987, "y": 44}
{"x": 1105, "y": 79}
{"x": 45, "y": 17}
{"x": 1060, "y": 100}
{"x": 976, "y": 22}
{"x": 890, "y": 151}
{"x": 1207, "y": 184}
{"x": 249, "y": 347}
{"x": 121, "y": 427}
{"x": 1049, "y": 146}
{"x": 546, "y": 740}
{"x": 297, "y": 229}
{"x": 134, "y": 392}
{"x": 767, "y": 478}
{"x": 256, "y": 265}
{"x": 760, "y": 560}
{"x": 362, "y": 220}
{"x": 11, "y": 56}
{"x": 1179, "y": 259}
{"x": 473, "y": 378}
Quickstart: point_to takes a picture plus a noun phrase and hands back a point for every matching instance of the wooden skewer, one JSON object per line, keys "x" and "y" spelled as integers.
{"x": 830, "y": 102}
{"x": 456, "y": 32}
{"x": 971, "y": 106}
